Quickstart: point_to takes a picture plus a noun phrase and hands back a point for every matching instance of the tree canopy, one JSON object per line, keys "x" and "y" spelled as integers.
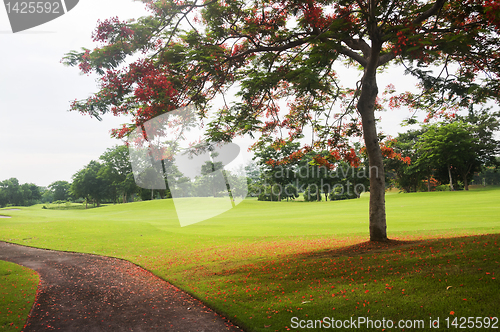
{"x": 445, "y": 152}
{"x": 16, "y": 194}
{"x": 189, "y": 52}
{"x": 60, "y": 190}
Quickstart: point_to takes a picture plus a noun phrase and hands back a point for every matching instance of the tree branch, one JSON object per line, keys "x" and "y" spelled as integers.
{"x": 353, "y": 55}
{"x": 359, "y": 44}
{"x": 270, "y": 48}
{"x": 429, "y": 12}
{"x": 383, "y": 59}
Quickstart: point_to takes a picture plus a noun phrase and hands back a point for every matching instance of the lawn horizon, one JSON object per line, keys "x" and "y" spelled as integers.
{"x": 251, "y": 238}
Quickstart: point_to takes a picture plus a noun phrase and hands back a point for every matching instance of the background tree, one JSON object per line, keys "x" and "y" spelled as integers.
{"x": 12, "y": 192}
{"x": 191, "y": 52}
{"x": 489, "y": 175}
{"x": 16, "y": 194}
{"x": 88, "y": 185}
{"x": 253, "y": 175}
{"x": 60, "y": 190}
{"x": 210, "y": 183}
{"x": 47, "y": 195}
{"x": 313, "y": 174}
{"x": 452, "y": 147}
{"x": 31, "y": 194}
{"x": 485, "y": 125}
{"x": 3, "y": 196}
{"x": 275, "y": 175}
{"x": 349, "y": 182}
{"x": 119, "y": 171}
{"x": 408, "y": 168}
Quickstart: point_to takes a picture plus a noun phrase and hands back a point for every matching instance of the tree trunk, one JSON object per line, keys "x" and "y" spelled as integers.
{"x": 466, "y": 184}
{"x": 366, "y": 107}
{"x": 429, "y": 183}
{"x": 451, "y": 181}
{"x": 465, "y": 173}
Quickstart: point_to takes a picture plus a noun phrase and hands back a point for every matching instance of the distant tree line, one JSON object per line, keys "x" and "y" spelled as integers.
{"x": 447, "y": 155}
{"x": 12, "y": 193}
{"x": 110, "y": 180}
{"x": 275, "y": 176}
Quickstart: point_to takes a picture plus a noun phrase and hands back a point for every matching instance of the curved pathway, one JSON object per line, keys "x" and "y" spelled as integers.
{"x": 81, "y": 292}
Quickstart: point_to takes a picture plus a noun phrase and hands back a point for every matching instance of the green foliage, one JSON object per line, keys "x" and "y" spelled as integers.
{"x": 342, "y": 192}
{"x": 443, "y": 187}
{"x": 312, "y": 194}
{"x": 276, "y": 192}
{"x": 290, "y": 192}
{"x": 118, "y": 173}
{"x": 489, "y": 175}
{"x": 14, "y": 194}
{"x": 111, "y": 181}
{"x": 458, "y": 148}
{"x": 268, "y": 194}
{"x": 60, "y": 190}
{"x": 92, "y": 184}
{"x": 408, "y": 176}
{"x": 453, "y": 150}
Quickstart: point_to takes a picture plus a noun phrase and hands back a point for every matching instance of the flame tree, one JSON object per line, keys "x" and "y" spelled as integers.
{"x": 187, "y": 52}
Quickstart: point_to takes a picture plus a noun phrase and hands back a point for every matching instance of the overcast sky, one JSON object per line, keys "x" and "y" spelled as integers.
{"x": 40, "y": 141}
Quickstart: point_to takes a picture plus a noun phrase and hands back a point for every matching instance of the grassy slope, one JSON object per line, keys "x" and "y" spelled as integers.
{"x": 257, "y": 267}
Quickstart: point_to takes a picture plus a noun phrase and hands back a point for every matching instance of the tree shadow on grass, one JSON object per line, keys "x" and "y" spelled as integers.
{"x": 367, "y": 247}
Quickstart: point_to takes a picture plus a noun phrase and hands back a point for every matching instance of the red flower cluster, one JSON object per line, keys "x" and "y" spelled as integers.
{"x": 111, "y": 29}
{"x": 492, "y": 12}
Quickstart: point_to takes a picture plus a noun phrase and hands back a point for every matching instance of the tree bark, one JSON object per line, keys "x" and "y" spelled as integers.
{"x": 366, "y": 107}
{"x": 451, "y": 181}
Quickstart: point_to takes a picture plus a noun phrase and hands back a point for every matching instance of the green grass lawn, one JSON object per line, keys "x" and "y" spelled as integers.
{"x": 18, "y": 286}
{"x": 263, "y": 263}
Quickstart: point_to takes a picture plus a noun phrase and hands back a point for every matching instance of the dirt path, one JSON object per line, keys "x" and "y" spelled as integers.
{"x": 80, "y": 292}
